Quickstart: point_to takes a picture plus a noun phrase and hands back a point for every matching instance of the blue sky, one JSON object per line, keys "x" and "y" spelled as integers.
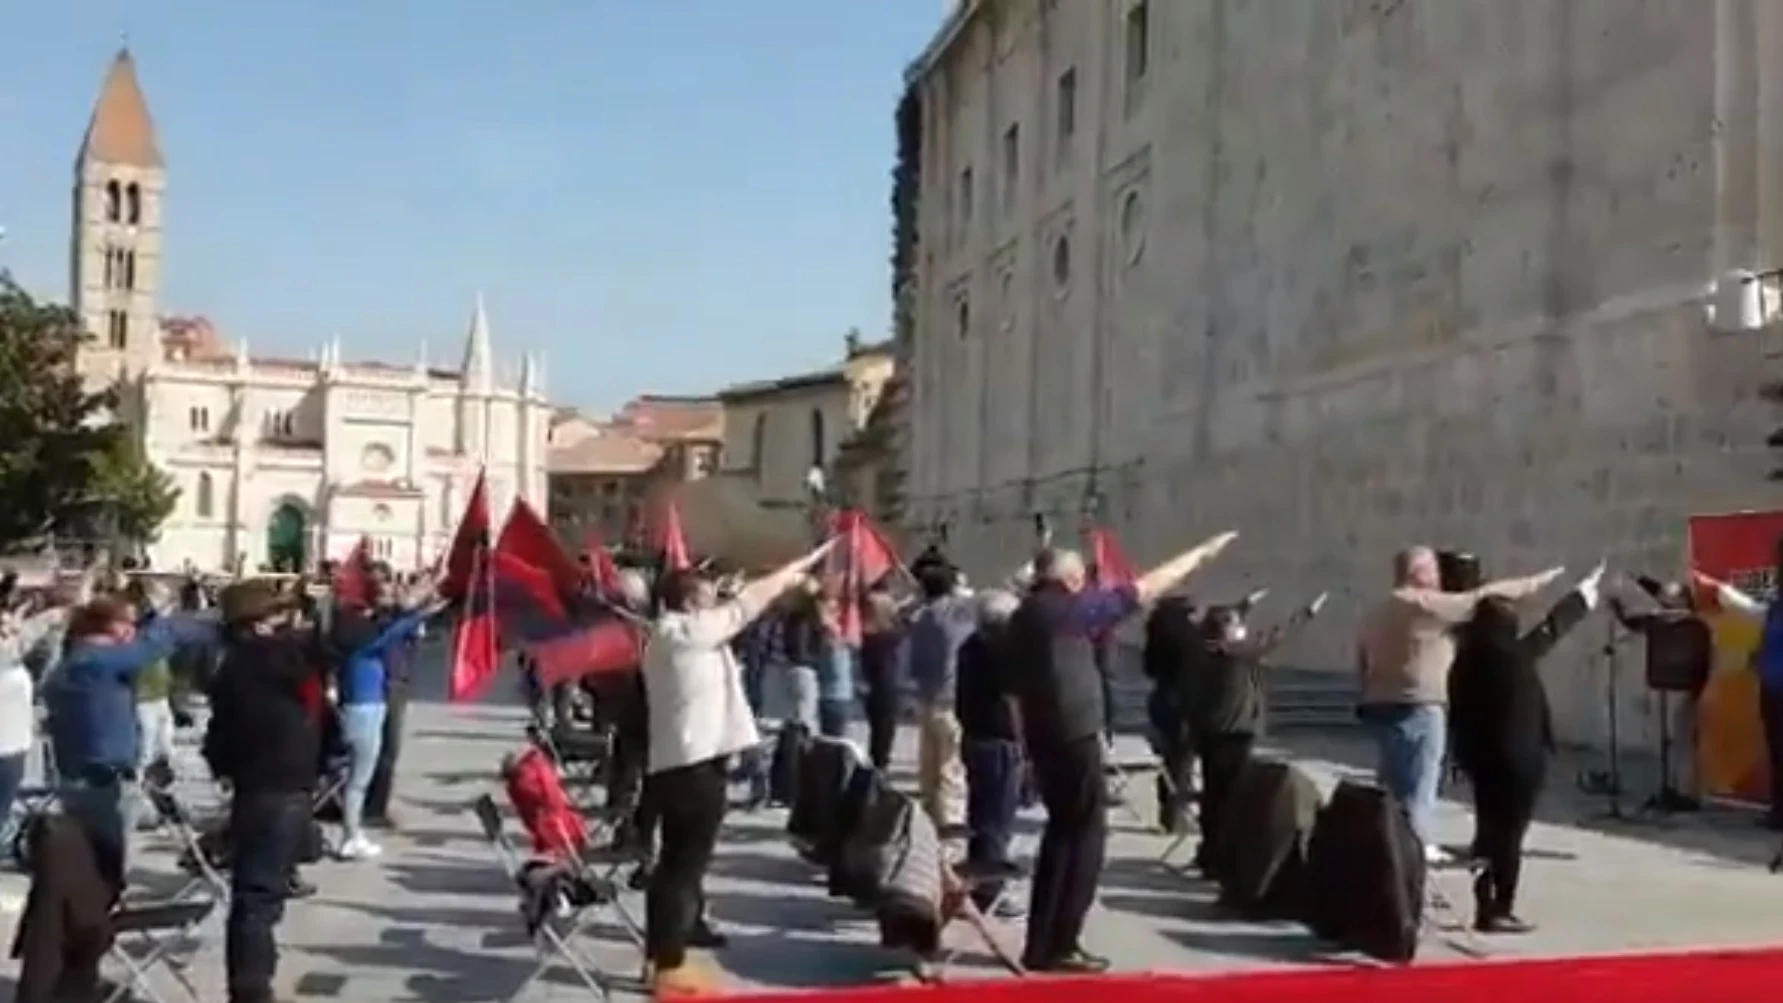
{"x": 661, "y": 195}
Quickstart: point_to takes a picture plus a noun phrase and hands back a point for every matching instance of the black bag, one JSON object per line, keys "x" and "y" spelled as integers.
{"x": 1366, "y": 874}
{"x": 824, "y": 771}
{"x": 1259, "y": 855}
{"x": 783, "y": 766}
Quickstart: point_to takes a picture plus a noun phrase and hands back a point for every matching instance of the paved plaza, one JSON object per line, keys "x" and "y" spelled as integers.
{"x": 435, "y": 920}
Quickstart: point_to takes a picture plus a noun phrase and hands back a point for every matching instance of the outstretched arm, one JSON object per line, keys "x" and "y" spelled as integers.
{"x": 1733, "y": 600}
{"x": 1566, "y": 614}
{"x": 1265, "y": 643}
{"x": 1454, "y": 608}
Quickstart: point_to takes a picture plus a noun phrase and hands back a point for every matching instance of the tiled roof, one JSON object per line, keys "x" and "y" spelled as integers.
{"x": 612, "y": 451}
{"x": 121, "y": 131}
{"x": 677, "y": 419}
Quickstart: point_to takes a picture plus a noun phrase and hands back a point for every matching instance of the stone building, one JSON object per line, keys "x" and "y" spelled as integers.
{"x": 279, "y": 461}
{"x": 605, "y": 474}
{"x": 778, "y": 430}
{"x": 1344, "y": 276}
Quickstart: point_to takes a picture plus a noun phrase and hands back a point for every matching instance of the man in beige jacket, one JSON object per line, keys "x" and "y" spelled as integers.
{"x": 1404, "y": 653}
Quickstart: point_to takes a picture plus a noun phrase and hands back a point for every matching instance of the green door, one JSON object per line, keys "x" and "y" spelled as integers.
{"x": 285, "y": 535}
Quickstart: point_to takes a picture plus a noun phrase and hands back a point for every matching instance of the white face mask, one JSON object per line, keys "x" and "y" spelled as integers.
{"x": 1235, "y": 633}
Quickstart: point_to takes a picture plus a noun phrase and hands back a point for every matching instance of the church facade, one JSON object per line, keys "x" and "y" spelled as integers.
{"x": 1346, "y": 277}
{"x": 280, "y": 463}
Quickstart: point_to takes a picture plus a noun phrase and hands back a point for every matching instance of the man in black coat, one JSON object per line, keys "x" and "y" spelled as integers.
{"x": 263, "y": 739}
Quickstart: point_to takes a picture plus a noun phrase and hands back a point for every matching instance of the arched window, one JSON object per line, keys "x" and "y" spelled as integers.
{"x": 758, "y": 444}
{"x": 114, "y": 202}
{"x": 205, "y": 500}
{"x": 817, "y": 444}
{"x": 133, "y": 203}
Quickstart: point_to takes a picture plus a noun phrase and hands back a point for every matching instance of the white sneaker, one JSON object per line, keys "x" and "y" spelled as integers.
{"x": 358, "y": 848}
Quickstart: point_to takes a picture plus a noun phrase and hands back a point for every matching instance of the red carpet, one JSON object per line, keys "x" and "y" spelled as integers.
{"x": 1634, "y": 979}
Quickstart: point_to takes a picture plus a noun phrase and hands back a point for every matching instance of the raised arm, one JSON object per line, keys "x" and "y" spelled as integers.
{"x": 712, "y": 628}
{"x": 1455, "y": 608}
{"x": 1566, "y": 614}
{"x": 1733, "y": 600}
{"x": 1165, "y": 576}
{"x": 1264, "y": 644}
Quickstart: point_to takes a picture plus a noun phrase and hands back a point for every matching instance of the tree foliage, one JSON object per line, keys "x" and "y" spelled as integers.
{"x": 65, "y": 468}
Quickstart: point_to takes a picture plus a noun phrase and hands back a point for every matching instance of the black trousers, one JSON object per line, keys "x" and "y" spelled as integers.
{"x": 1176, "y": 750}
{"x": 1504, "y": 804}
{"x": 269, "y": 830}
{"x": 383, "y": 779}
{"x": 1075, "y": 793}
{"x": 882, "y": 719}
{"x": 1222, "y": 757}
{"x": 689, "y": 804}
{"x": 1770, "y": 709}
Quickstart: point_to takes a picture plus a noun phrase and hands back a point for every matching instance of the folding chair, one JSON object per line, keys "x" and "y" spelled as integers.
{"x": 205, "y": 879}
{"x": 971, "y": 878}
{"x": 1120, "y": 776}
{"x": 166, "y": 935}
{"x": 554, "y": 926}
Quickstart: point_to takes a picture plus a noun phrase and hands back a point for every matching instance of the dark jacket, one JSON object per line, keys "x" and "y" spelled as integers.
{"x": 1498, "y": 709}
{"x": 66, "y": 927}
{"x": 263, "y": 735}
{"x": 1052, "y": 637}
{"x": 92, "y": 696}
{"x": 1224, "y": 693}
{"x": 984, "y": 700}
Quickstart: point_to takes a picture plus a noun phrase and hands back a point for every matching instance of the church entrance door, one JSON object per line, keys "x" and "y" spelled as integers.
{"x": 285, "y": 536}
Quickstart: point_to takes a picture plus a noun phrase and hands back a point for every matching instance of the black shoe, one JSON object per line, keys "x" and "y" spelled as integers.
{"x": 1078, "y": 962}
{"x": 1502, "y": 923}
{"x": 299, "y": 889}
{"x": 640, "y": 877}
{"x": 703, "y": 936}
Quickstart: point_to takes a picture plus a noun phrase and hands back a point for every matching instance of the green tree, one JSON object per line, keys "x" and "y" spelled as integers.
{"x": 65, "y": 468}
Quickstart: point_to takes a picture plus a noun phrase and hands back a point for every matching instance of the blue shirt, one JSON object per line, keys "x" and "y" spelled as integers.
{"x": 1769, "y": 656}
{"x": 937, "y": 630}
{"x": 92, "y": 699}
{"x": 365, "y": 673}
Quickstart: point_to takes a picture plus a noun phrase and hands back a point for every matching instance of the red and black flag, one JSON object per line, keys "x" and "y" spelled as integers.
{"x": 469, "y": 579}
{"x": 862, "y": 558}
{"x": 352, "y": 577}
{"x": 544, "y": 607}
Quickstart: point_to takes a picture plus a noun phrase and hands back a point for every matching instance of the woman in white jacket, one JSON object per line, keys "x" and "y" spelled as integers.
{"x": 699, "y": 718}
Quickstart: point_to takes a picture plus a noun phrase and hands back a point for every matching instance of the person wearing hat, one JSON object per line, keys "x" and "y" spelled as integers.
{"x": 264, "y": 740}
{"x": 92, "y": 706}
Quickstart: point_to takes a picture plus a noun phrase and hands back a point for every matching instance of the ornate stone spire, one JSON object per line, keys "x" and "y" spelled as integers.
{"x": 477, "y": 374}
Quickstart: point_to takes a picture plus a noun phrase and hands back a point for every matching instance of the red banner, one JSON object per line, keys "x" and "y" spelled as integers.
{"x": 1739, "y": 549}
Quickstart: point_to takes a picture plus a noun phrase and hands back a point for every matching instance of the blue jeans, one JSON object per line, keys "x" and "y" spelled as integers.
{"x": 1411, "y": 740}
{"x": 103, "y": 806}
{"x": 993, "y": 796}
{"x": 362, "y": 725}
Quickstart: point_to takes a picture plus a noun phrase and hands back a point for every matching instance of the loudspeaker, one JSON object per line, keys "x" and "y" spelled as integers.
{"x": 1459, "y": 571}
{"x": 1680, "y": 653}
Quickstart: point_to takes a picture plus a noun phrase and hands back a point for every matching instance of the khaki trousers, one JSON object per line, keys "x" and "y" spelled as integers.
{"x": 940, "y": 773}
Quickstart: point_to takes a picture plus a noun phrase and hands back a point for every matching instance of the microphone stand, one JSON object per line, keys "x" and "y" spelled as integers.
{"x": 1609, "y": 783}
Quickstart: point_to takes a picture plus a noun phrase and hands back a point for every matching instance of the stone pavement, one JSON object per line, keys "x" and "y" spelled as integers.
{"x": 434, "y": 919}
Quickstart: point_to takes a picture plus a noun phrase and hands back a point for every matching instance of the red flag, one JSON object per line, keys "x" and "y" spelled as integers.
{"x": 352, "y": 577}
{"x": 600, "y": 564}
{"x": 670, "y": 543}
{"x": 610, "y": 646}
{"x": 1112, "y": 567}
{"x": 526, "y": 540}
{"x": 863, "y": 557}
{"x": 470, "y": 539}
{"x": 476, "y": 651}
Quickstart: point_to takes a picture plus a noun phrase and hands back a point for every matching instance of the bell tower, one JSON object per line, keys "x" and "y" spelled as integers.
{"x": 119, "y": 179}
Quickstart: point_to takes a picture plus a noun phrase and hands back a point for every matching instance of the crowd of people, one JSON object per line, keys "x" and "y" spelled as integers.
{"x": 290, "y": 672}
{"x": 1008, "y": 687}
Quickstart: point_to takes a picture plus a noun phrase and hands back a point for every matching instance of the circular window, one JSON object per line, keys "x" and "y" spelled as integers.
{"x": 1061, "y": 263}
{"x": 377, "y": 458}
{"x": 381, "y": 513}
{"x": 1133, "y": 226}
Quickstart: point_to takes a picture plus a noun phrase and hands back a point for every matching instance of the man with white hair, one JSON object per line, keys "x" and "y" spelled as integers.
{"x": 1059, "y": 692}
{"x": 1404, "y": 654}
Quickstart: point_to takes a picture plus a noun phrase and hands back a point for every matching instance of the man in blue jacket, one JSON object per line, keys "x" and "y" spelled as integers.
{"x": 92, "y": 704}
